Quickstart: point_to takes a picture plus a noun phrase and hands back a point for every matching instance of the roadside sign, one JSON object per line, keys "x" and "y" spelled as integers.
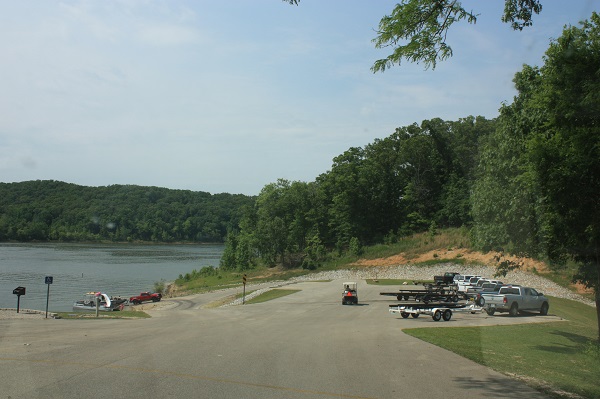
{"x": 18, "y": 292}
{"x": 48, "y": 280}
{"x": 244, "y": 279}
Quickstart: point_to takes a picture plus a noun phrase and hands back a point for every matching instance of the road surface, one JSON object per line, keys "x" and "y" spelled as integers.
{"x": 302, "y": 346}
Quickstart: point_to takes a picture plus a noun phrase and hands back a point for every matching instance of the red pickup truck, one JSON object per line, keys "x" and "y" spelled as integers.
{"x": 145, "y": 296}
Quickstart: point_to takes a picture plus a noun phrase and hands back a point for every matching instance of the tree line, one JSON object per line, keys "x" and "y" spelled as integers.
{"x": 52, "y": 210}
{"x": 419, "y": 176}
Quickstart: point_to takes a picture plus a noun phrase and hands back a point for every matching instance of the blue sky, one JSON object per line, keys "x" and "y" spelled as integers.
{"x": 228, "y": 96}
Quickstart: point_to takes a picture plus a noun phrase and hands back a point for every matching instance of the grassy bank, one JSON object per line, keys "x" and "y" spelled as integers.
{"x": 126, "y": 314}
{"x": 445, "y": 244}
{"x": 551, "y": 357}
{"x": 411, "y": 247}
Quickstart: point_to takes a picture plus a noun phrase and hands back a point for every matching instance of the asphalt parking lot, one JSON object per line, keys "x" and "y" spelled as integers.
{"x": 304, "y": 345}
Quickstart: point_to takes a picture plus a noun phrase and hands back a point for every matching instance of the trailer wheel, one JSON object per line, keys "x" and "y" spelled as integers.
{"x": 414, "y": 315}
{"x": 437, "y": 315}
{"x": 404, "y": 315}
{"x": 447, "y": 315}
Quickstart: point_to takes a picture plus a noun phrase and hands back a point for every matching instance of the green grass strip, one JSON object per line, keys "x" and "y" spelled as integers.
{"x": 551, "y": 357}
{"x": 271, "y": 294}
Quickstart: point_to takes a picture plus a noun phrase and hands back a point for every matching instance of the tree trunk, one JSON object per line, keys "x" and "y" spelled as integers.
{"x": 597, "y": 296}
{"x": 598, "y": 311}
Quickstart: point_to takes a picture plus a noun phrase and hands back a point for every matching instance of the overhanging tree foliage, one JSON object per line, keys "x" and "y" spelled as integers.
{"x": 417, "y": 30}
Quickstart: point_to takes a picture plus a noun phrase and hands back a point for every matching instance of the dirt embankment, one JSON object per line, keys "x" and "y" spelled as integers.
{"x": 463, "y": 253}
{"x": 488, "y": 259}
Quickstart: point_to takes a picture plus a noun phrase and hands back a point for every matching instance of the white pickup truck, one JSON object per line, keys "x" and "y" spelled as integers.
{"x": 514, "y": 298}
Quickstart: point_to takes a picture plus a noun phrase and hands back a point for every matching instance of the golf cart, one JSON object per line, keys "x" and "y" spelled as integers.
{"x": 350, "y": 295}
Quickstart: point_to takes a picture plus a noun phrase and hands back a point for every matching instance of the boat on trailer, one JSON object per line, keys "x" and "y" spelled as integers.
{"x": 106, "y": 303}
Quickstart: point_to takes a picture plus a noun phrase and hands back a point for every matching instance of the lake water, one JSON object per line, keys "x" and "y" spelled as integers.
{"x": 118, "y": 270}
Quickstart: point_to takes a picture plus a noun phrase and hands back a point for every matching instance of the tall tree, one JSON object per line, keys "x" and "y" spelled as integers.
{"x": 565, "y": 149}
{"x": 540, "y": 174}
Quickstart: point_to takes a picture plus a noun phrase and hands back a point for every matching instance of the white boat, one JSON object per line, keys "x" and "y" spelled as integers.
{"x": 106, "y": 303}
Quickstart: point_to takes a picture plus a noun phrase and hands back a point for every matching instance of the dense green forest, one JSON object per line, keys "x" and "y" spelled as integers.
{"x": 418, "y": 177}
{"x": 52, "y": 210}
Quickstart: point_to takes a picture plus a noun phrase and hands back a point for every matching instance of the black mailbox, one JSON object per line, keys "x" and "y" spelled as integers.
{"x": 19, "y": 291}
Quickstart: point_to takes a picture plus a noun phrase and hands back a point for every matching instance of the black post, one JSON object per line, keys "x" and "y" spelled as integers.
{"x": 18, "y": 292}
{"x": 47, "y": 299}
{"x": 48, "y": 280}
{"x": 244, "y": 292}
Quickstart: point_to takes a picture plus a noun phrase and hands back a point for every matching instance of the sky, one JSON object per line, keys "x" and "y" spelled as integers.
{"x": 229, "y": 96}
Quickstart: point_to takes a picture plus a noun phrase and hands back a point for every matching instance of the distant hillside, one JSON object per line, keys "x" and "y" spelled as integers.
{"x": 51, "y": 210}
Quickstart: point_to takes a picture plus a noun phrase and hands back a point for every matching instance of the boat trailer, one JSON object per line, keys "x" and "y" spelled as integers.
{"x": 429, "y": 293}
{"x": 437, "y": 311}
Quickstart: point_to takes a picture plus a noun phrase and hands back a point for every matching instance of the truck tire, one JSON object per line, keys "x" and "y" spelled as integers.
{"x": 544, "y": 309}
{"x": 490, "y": 311}
{"x": 514, "y": 309}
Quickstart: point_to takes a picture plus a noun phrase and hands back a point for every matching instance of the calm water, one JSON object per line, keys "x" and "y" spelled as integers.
{"x": 118, "y": 270}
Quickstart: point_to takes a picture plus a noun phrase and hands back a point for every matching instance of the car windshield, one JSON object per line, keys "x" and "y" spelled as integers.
{"x": 299, "y": 199}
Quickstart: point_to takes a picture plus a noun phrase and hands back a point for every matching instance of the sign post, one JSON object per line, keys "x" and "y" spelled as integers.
{"x": 244, "y": 293}
{"x": 48, "y": 281}
{"x": 18, "y": 292}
